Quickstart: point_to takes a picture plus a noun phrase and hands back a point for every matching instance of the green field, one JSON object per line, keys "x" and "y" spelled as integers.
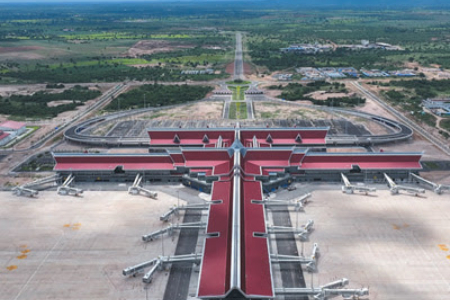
{"x": 238, "y": 110}
{"x": 238, "y": 92}
{"x": 156, "y": 95}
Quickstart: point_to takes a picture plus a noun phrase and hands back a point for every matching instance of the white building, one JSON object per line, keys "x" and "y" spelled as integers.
{"x": 13, "y": 128}
{"x": 5, "y": 138}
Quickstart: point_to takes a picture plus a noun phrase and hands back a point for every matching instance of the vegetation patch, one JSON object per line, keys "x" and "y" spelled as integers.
{"x": 297, "y": 91}
{"x": 42, "y": 162}
{"x": 238, "y": 81}
{"x": 156, "y": 95}
{"x": 36, "y": 105}
{"x": 445, "y": 124}
{"x": 238, "y": 110}
{"x": 238, "y": 92}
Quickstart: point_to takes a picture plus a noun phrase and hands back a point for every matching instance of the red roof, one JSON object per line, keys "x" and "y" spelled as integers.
{"x": 12, "y": 125}
{"x": 257, "y": 279}
{"x": 110, "y": 162}
{"x": 284, "y": 136}
{"x": 256, "y": 158}
{"x": 3, "y": 135}
{"x": 190, "y": 137}
{"x": 215, "y": 269}
{"x": 364, "y": 161}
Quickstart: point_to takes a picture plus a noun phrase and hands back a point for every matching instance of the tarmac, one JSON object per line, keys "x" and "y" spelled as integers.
{"x": 62, "y": 247}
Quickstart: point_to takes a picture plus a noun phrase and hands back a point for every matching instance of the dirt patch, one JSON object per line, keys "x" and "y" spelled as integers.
{"x": 154, "y": 46}
{"x": 199, "y": 111}
{"x": 247, "y": 69}
{"x": 270, "y": 110}
{"x": 19, "y": 49}
{"x": 21, "y": 55}
{"x": 146, "y": 65}
{"x": 322, "y": 95}
{"x": 230, "y": 68}
{"x": 58, "y": 103}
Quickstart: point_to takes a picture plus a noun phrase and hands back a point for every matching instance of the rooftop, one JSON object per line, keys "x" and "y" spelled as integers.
{"x": 12, "y": 125}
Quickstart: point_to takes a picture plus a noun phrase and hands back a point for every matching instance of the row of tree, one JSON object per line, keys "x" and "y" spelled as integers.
{"x": 36, "y": 105}
{"x": 155, "y": 95}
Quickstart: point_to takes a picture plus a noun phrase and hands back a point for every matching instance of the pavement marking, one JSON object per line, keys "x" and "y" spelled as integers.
{"x": 38, "y": 268}
{"x": 443, "y": 247}
{"x": 11, "y": 268}
{"x": 75, "y": 226}
{"x": 398, "y": 227}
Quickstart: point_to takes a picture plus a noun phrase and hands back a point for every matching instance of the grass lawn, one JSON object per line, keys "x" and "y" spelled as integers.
{"x": 238, "y": 110}
{"x": 238, "y": 92}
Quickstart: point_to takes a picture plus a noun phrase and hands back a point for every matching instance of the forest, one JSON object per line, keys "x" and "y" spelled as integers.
{"x": 36, "y": 105}
{"x": 155, "y": 95}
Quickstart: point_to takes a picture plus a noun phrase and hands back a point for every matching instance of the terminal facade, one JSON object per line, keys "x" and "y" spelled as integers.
{"x": 237, "y": 166}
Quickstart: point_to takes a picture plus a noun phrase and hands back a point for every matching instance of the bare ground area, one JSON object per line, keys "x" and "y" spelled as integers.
{"x": 247, "y": 68}
{"x": 25, "y": 52}
{"x": 270, "y": 110}
{"x": 230, "y": 68}
{"x": 323, "y": 95}
{"x": 199, "y": 111}
{"x": 154, "y": 46}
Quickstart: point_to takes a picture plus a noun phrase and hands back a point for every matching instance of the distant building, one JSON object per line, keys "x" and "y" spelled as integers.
{"x": 13, "y": 128}
{"x": 5, "y": 138}
{"x": 438, "y": 106}
{"x": 306, "y": 49}
{"x": 197, "y": 72}
{"x": 283, "y": 77}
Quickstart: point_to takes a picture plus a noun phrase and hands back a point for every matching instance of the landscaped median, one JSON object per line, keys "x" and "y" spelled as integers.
{"x": 238, "y": 110}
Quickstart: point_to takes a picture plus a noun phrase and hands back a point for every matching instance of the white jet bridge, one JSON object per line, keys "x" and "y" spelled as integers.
{"x": 437, "y": 188}
{"x": 137, "y": 189}
{"x": 66, "y": 189}
{"x": 396, "y": 188}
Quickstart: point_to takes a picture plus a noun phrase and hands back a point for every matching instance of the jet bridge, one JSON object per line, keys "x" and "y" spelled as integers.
{"x": 302, "y": 232}
{"x": 437, "y": 188}
{"x": 31, "y": 189}
{"x": 160, "y": 263}
{"x": 325, "y": 292}
{"x": 176, "y": 209}
{"x": 171, "y": 228}
{"x": 66, "y": 189}
{"x": 137, "y": 189}
{"x": 310, "y": 262}
{"x": 297, "y": 203}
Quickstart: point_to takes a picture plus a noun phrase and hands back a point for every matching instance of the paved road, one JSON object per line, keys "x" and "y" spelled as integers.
{"x": 177, "y": 287}
{"x": 442, "y": 146}
{"x": 291, "y": 273}
{"x": 250, "y": 114}
{"x": 238, "y": 60}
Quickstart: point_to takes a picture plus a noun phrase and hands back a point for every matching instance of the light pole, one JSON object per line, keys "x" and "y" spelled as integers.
{"x": 144, "y": 100}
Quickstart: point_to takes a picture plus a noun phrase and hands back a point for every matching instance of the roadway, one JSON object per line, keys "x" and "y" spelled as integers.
{"x": 238, "y": 59}
{"x": 435, "y": 141}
